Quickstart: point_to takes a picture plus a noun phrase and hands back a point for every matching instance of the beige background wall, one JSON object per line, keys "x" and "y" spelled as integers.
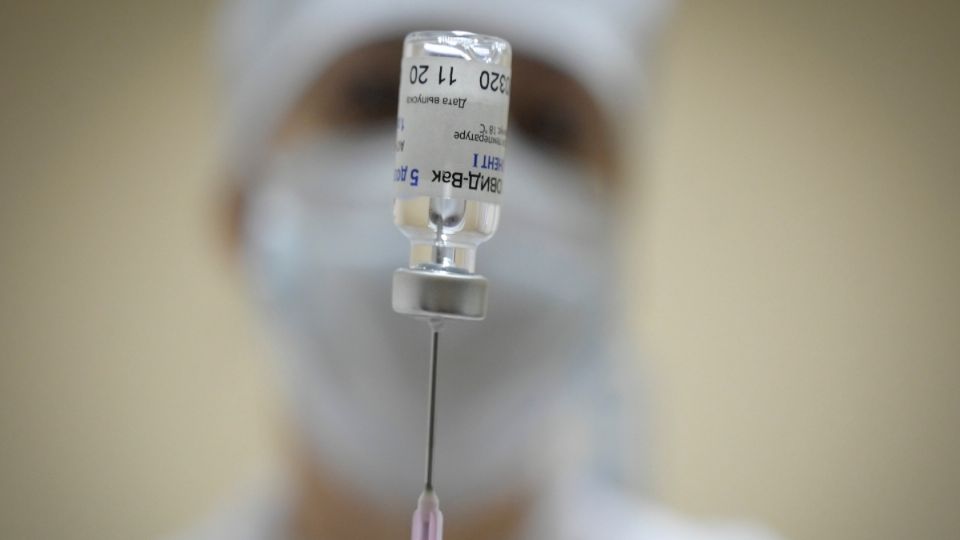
{"x": 797, "y": 244}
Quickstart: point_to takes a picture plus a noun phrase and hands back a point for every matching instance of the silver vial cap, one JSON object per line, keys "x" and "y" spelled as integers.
{"x": 434, "y": 293}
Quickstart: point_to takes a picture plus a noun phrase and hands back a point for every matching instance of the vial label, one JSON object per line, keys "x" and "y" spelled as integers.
{"x": 451, "y": 129}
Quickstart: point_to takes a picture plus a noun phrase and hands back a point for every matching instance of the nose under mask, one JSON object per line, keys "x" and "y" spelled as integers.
{"x": 321, "y": 248}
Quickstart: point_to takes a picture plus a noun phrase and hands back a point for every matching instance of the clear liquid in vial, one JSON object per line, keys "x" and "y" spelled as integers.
{"x": 444, "y": 232}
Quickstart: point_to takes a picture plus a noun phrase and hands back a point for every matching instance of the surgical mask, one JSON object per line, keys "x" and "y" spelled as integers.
{"x": 321, "y": 247}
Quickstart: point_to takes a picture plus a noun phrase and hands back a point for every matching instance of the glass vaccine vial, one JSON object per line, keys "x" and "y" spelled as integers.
{"x": 449, "y": 173}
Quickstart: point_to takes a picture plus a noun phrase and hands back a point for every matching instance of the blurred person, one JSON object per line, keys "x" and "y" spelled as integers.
{"x": 528, "y": 422}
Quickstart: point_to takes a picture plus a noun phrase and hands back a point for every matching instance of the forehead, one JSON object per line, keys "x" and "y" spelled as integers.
{"x": 384, "y": 55}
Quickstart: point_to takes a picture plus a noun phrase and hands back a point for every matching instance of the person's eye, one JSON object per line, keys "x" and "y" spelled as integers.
{"x": 364, "y": 100}
{"x": 551, "y": 125}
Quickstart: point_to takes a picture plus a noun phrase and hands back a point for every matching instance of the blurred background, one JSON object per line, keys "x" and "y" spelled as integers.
{"x": 795, "y": 254}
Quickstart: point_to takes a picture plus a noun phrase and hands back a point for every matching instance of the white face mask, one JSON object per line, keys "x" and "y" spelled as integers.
{"x": 321, "y": 247}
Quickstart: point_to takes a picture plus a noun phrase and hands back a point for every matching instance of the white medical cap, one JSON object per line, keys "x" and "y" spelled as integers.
{"x": 271, "y": 50}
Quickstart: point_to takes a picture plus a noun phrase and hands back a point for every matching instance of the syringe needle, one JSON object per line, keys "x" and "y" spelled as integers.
{"x": 427, "y": 519}
{"x": 431, "y": 415}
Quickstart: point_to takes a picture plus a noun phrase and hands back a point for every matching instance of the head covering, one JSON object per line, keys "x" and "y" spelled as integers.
{"x": 271, "y": 50}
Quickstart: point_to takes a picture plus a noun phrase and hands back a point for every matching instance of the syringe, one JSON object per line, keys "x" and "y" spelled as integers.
{"x": 427, "y": 519}
{"x": 451, "y": 136}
